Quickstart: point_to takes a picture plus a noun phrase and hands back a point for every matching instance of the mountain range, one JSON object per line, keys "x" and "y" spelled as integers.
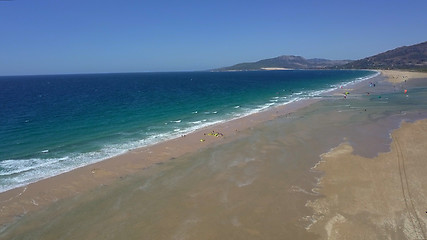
{"x": 286, "y": 62}
{"x": 407, "y": 57}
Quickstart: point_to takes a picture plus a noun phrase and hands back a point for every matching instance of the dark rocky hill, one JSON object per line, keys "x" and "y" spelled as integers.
{"x": 408, "y": 57}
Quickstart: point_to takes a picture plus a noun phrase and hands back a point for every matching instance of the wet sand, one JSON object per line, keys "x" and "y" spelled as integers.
{"x": 252, "y": 183}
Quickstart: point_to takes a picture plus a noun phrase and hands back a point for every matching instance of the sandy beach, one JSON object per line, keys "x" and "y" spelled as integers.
{"x": 255, "y": 179}
{"x": 394, "y": 76}
{"x": 378, "y": 198}
{"x": 25, "y": 199}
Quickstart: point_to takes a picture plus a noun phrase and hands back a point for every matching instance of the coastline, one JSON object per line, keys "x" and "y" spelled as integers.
{"x": 51, "y": 154}
{"x": 268, "y": 107}
{"x": 82, "y": 181}
{"x": 33, "y": 196}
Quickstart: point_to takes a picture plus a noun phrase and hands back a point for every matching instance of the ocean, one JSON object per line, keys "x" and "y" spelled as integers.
{"x": 55, "y": 123}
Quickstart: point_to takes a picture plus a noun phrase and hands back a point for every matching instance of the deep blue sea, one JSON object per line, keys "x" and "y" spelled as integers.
{"x": 52, "y": 124}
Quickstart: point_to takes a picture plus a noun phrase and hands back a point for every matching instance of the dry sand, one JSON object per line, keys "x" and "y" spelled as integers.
{"x": 395, "y": 76}
{"x": 380, "y": 198}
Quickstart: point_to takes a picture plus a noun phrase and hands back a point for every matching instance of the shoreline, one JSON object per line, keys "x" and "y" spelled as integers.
{"x": 37, "y": 195}
{"x": 24, "y": 199}
{"x": 105, "y": 153}
{"x": 77, "y": 181}
{"x": 267, "y": 107}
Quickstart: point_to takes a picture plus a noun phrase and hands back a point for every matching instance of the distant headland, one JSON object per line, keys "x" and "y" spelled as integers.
{"x": 412, "y": 57}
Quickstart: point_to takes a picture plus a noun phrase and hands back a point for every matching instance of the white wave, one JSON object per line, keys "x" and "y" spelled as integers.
{"x": 21, "y": 172}
{"x": 346, "y": 84}
{"x": 357, "y": 80}
{"x": 13, "y": 167}
{"x": 215, "y": 112}
{"x": 176, "y": 121}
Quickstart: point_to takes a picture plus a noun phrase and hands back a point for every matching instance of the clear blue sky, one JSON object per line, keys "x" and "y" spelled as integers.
{"x": 64, "y": 36}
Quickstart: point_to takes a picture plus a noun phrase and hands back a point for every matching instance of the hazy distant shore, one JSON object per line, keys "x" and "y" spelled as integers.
{"x": 301, "y": 126}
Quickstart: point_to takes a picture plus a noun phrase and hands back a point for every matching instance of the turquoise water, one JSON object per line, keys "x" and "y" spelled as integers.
{"x": 52, "y": 124}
